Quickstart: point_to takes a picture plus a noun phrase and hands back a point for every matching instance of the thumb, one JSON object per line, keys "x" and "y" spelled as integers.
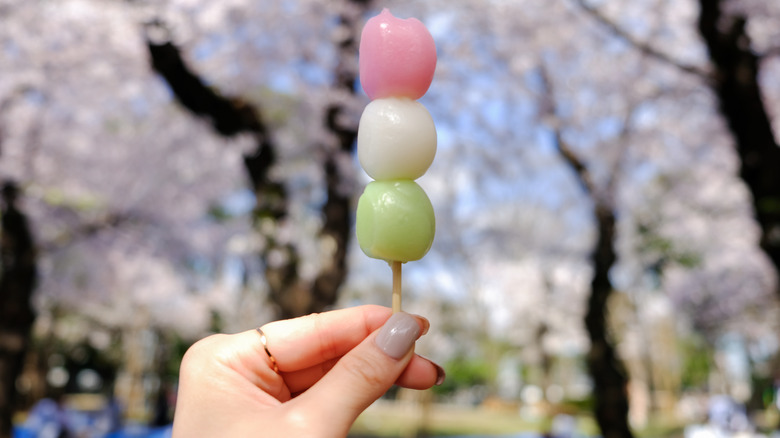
{"x": 363, "y": 375}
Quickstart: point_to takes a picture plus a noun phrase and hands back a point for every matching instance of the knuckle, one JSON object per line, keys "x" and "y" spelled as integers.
{"x": 199, "y": 351}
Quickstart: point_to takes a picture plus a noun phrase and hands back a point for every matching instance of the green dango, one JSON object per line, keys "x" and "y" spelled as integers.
{"x": 395, "y": 221}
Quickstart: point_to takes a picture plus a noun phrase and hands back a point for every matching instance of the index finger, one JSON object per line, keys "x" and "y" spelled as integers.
{"x": 303, "y": 342}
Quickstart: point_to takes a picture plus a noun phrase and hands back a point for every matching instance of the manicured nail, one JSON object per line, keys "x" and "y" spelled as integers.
{"x": 440, "y": 374}
{"x": 398, "y": 334}
{"x": 426, "y": 324}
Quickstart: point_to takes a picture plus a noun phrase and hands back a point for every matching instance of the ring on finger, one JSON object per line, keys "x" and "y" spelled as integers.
{"x": 264, "y": 340}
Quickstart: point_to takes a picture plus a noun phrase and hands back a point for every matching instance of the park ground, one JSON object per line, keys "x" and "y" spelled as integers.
{"x": 407, "y": 419}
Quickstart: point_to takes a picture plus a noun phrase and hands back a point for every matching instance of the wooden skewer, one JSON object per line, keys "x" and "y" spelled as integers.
{"x": 396, "y": 266}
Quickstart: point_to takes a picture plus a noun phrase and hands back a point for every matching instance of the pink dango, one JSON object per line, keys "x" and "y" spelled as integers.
{"x": 397, "y": 57}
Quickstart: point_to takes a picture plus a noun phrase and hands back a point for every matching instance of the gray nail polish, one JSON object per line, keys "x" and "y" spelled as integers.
{"x": 398, "y": 334}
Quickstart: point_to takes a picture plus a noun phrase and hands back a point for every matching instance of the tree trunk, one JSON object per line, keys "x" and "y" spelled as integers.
{"x": 336, "y": 212}
{"x": 17, "y": 283}
{"x": 736, "y": 69}
{"x": 232, "y": 116}
{"x": 292, "y": 295}
{"x": 609, "y": 378}
{"x": 610, "y": 382}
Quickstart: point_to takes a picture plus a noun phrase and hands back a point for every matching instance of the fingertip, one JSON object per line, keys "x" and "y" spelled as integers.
{"x": 398, "y": 335}
{"x": 366, "y": 372}
{"x": 421, "y": 373}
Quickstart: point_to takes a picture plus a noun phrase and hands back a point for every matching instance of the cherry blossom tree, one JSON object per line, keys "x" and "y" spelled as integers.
{"x": 641, "y": 130}
{"x": 140, "y": 201}
{"x": 93, "y": 144}
{"x": 294, "y": 294}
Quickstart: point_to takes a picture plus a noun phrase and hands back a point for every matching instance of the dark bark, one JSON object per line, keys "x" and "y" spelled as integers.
{"x": 610, "y": 382}
{"x": 229, "y": 117}
{"x": 735, "y": 81}
{"x": 292, "y": 295}
{"x": 336, "y": 211}
{"x": 736, "y": 84}
{"x": 17, "y": 283}
{"x": 609, "y": 377}
{"x": 337, "y": 225}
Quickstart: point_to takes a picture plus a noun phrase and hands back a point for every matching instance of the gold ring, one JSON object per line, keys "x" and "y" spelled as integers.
{"x": 263, "y": 340}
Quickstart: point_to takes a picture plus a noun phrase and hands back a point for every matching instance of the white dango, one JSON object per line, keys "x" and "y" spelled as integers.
{"x": 396, "y": 139}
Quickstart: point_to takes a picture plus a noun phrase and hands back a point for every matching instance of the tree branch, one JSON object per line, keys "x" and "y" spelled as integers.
{"x": 643, "y": 46}
{"x": 293, "y": 295}
{"x": 85, "y": 230}
{"x": 232, "y": 116}
{"x": 564, "y": 149}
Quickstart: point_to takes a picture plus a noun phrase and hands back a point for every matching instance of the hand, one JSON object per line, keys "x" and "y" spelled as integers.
{"x": 331, "y": 367}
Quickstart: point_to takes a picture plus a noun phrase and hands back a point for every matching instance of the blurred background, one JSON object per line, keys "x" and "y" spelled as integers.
{"x": 606, "y": 188}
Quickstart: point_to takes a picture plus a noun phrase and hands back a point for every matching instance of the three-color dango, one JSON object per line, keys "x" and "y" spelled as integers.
{"x": 396, "y": 140}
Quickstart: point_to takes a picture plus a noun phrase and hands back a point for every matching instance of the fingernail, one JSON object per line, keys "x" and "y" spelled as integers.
{"x": 426, "y": 324}
{"x": 398, "y": 334}
{"x": 440, "y": 374}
